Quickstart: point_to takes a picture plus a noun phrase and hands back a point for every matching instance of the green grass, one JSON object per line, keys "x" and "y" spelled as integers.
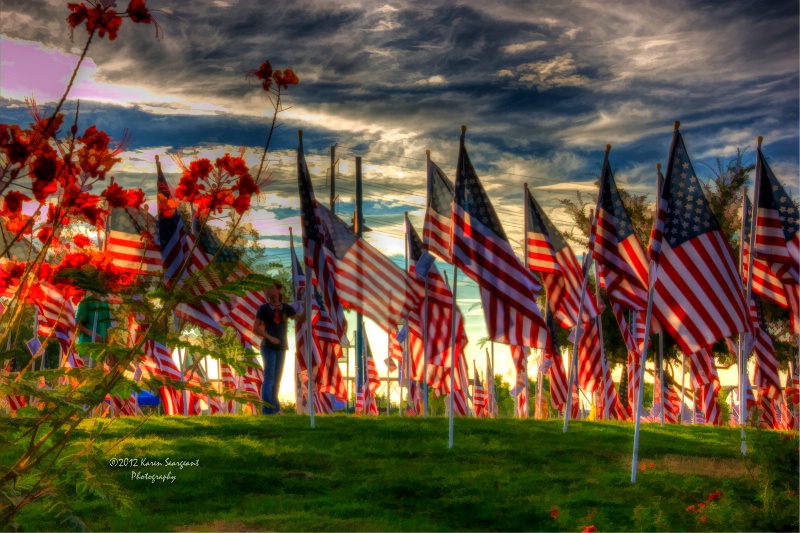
{"x": 367, "y": 474}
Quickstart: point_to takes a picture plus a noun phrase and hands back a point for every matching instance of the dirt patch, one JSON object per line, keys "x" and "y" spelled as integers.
{"x": 699, "y": 466}
{"x": 304, "y": 475}
{"x": 216, "y": 525}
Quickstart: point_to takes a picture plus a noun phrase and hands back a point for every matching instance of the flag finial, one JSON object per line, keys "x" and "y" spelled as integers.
{"x": 759, "y": 139}
{"x": 463, "y": 129}
{"x": 608, "y": 148}
{"x": 300, "y": 134}
{"x": 658, "y": 167}
{"x": 158, "y": 160}
{"x": 676, "y": 124}
{"x": 427, "y": 152}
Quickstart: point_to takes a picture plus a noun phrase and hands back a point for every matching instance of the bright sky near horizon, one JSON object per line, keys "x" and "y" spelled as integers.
{"x": 542, "y": 86}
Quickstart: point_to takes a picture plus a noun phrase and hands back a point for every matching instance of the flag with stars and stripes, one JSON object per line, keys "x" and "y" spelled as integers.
{"x": 317, "y": 246}
{"x": 367, "y": 281}
{"x": 617, "y": 249}
{"x": 481, "y": 248}
{"x": 698, "y": 295}
{"x": 478, "y": 394}
{"x": 440, "y": 304}
{"x": 180, "y": 257}
{"x": 56, "y": 317}
{"x": 373, "y": 379}
{"x": 562, "y": 274}
{"x": 156, "y": 361}
{"x": 555, "y": 372}
{"x": 767, "y": 280}
{"x": 132, "y": 244}
{"x": 766, "y": 365}
{"x": 325, "y": 347}
{"x": 436, "y": 230}
{"x": 777, "y": 223}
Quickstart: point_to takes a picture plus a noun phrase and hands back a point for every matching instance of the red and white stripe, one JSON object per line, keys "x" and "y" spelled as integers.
{"x": 56, "y": 317}
{"x": 436, "y": 234}
{"x": 590, "y": 358}
{"x": 478, "y": 395}
{"x": 623, "y": 264}
{"x": 132, "y": 252}
{"x": 558, "y": 380}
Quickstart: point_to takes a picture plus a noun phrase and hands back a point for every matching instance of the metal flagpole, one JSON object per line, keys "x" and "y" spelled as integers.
{"x": 184, "y": 364}
{"x": 358, "y": 220}
{"x": 406, "y": 344}
{"x": 453, "y": 359}
{"x": 652, "y": 270}
{"x": 425, "y": 309}
{"x": 525, "y": 262}
{"x": 333, "y": 179}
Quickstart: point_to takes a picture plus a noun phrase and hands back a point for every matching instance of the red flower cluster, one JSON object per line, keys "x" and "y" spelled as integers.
{"x": 116, "y": 196}
{"x": 15, "y": 221}
{"x": 714, "y": 495}
{"x": 589, "y": 529}
{"x": 101, "y": 18}
{"x": 211, "y": 188}
{"x": 645, "y": 466}
{"x": 554, "y": 512}
{"x": 793, "y": 394}
{"x": 81, "y": 241}
{"x": 267, "y": 76}
{"x": 10, "y": 275}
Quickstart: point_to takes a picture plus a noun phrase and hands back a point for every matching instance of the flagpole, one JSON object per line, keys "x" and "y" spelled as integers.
{"x": 358, "y": 222}
{"x": 573, "y": 369}
{"x": 333, "y": 179}
{"x": 453, "y": 360}
{"x": 652, "y": 270}
{"x": 407, "y": 346}
{"x": 425, "y": 309}
{"x": 308, "y": 337}
{"x": 743, "y": 335}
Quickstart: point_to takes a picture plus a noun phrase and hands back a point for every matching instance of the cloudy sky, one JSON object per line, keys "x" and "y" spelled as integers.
{"x": 543, "y": 87}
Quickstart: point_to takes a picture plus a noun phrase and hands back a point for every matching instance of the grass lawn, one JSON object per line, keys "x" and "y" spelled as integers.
{"x": 396, "y": 474}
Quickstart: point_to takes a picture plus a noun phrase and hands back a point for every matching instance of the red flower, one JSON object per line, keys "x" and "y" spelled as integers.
{"x": 135, "y": 198}
{"x": 285, "y": 78}
{"x": 78, "y": 15}
{"x": 106, "y": 21}
{"x": 13, "y": 203}
{"x": 115, "y": 196}
{"x": 74, "y": 260}
{"x": 701, "y": 506}
{"x": 44, "y": 233}
{"x": 241, "y": 204}
{"x": 691, "y": 509}
{"x": 166, "y": 206}
{"x": 714, "y": 495}
{"x": 138, "y": 12}
{"x": 247, "y": 186}
{"x": 704, "y": 519}
{"x": 235, "y": 166}
{"x": 263, "y": 73}
{"x": 18, "y": 223}
{"x": 554, "y": 511}
{"x": 589, "y": 529}
{"x": 81, "y": 241}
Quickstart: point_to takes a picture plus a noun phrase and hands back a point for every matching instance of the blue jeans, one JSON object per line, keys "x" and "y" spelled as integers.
{"x": 273, "y": 370}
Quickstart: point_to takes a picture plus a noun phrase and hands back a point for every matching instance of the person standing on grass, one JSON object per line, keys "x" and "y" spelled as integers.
{"x": 270, "y": 325}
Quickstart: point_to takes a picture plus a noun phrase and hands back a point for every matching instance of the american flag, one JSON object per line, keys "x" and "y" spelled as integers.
{"x": 768, "y": 415}
{"x": 437, "y": 228}
{"x": 323, "y": 401}
{"x": 590, "y": 358}
{"x": 698, "y": 291}
{"x": 491, "y": 393}
{"x": 665, "y": 397}
{"x": 156, "y": 361}
{"x": 373, "y": 379}
{"x": 325, "y": 347}
{"x": 551, "y": 256}
{"x": 440, "y": 304}
{"x": 607, "y": 395}
{"x": 617, "y": 248}
{"x": 317, "y": 246}
{"x": 131, "y": 246}
{"x": 56, "y": 317}
{"x": 766, "y": 278}
{"x": 229, "y": 383}
{"x": 777, "y": 223}
{"x": 478, "y": 394}
{"x": 766, "y": 365}
{"x": 242, "y": 309}
{"x": 705, "y": 381}
{"x": 556, "y": 373}
{"x": 789, "y": 421}
{"x": 253, "y": 378}
{"x": 177, "y": 243}
{"x": 366, "y": 281}
{"x": 481, "y": 248}
{"x": 520, "y": 390}
{"x": 416, "y": 404}
{"x": 735, "y": 404}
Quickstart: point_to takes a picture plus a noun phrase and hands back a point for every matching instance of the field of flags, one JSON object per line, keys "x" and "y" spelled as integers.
{"x": 686, "y": 284}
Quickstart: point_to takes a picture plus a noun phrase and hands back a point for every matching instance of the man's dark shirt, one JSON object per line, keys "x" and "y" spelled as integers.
{"x": 275, "y": 323}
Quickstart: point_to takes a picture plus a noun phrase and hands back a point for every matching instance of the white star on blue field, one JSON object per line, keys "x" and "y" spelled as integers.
{"x": 542, "y": 86}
